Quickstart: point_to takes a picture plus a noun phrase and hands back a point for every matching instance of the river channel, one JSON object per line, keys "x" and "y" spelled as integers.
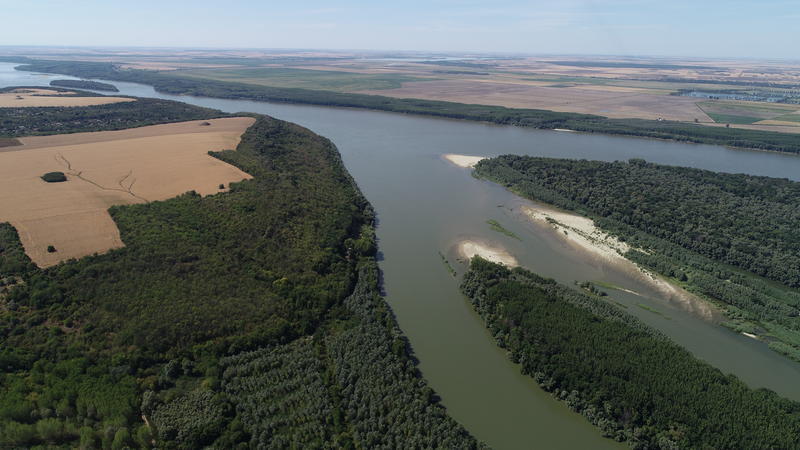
{"x": 425, "y": 205}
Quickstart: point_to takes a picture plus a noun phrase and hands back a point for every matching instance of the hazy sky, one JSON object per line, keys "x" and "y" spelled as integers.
{"x": 768, "y": 28}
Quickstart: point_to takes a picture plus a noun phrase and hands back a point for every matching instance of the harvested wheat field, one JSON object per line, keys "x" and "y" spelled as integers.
{"x": 32, "y": 98}
{"x": 606, "y": 101}
{"x": 104, "y": 169}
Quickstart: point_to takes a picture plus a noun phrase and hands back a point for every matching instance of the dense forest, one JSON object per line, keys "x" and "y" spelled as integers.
{"x": 173, "y": 83}
{"x": 631, "y": 382}
{"x": 250, "y": 318}
{"x": 84, "y": 84}
{"x": 17, "y": 122}
{"x": 733, "y": 238}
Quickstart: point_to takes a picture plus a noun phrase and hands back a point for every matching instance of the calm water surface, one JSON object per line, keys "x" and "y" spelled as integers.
{"x": 426, "y": 205}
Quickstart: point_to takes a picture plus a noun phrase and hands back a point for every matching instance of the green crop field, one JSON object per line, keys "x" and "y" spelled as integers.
{"x": 731, "y": 118}
{"x": 307, "y": 79}
{"x": 789, "y": 118}
{"x": 744, "y": 112}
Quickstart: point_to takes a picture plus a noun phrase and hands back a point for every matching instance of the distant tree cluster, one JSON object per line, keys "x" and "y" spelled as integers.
{"x": 84, "y": 84}
{"x": 16, "y": 122}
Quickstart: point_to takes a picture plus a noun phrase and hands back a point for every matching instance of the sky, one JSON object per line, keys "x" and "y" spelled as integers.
{"x": 697, "y": 28}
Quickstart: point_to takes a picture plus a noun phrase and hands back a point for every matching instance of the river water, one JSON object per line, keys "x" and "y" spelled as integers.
{"x": 425, "y": 205}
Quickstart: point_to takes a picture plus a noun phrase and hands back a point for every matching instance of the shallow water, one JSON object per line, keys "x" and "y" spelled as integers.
{"x": 425, "y": 205}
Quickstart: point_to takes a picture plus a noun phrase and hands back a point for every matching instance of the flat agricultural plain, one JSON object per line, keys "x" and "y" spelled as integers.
{"x": 105, "y": 169}
{"x": 32, "y": 98}
{"x": 609, "y": 101}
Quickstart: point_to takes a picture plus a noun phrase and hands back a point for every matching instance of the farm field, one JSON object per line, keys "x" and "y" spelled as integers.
{"x": 615, "y": 87}
{"x": 31, "y": 98}
{"x": 609, "y": 101}
{"x": 105, "y": 169}
{"x": 742, "y": 112}
{"x": 340, "y": 81}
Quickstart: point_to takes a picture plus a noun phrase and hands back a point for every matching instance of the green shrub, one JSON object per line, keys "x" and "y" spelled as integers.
{"x": 54, "y": 177}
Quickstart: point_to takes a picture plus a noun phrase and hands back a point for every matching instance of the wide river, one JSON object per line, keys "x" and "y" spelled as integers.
{"x": 425, "y": 205}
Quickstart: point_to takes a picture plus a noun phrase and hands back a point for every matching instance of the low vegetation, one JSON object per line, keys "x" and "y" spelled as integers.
{"x": 84, "y": 84}
{"x": 660, "y": 129}
{"x": 447, "y": 265}
{"x": 631, "y": 382}
{"x": 250, "y": 318}
{"x": 496, "y": 226}
{"x": 732, "y": 238}
{"x": 9, "y": 142}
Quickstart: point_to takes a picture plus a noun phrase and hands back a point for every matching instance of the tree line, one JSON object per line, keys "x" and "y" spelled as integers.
{"x": 18, "y": 122}
{"x": 84, "y": 84}
{"x": 627, "y": 379}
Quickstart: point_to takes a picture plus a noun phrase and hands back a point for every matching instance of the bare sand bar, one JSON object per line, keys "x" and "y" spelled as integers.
{"x": 464, "y": 161}
{"x": 582, "y": 234}
{"x": 140, "y": 165}
{"x": 471, "y": 247}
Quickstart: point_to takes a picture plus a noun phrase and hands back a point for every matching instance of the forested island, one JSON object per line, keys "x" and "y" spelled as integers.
{"x": 85, "y": 84}
{"x": 627, "y": 379}
{"x": 732, "y": 238}
{"x": 248, "y": 318}
{"x": 173, "y": 83}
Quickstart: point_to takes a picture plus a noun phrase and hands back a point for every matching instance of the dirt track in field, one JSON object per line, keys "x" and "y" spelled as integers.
{"x": 105, "y": 169}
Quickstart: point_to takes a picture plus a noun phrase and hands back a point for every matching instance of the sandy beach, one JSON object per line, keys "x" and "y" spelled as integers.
{"x": 470, "y": 247}
{"x": 582, "y": 234}
{"x": 463, "y": 161}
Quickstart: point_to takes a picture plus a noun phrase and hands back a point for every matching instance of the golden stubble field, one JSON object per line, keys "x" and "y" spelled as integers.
{"x": 34, "y": 98}
{"x": 104, "y": 169}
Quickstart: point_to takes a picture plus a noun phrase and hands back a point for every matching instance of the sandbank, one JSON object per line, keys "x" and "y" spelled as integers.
{"x": 582, "y": 234}
{"x": 471, "y": 247}
{"x": 464, "y": 161}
